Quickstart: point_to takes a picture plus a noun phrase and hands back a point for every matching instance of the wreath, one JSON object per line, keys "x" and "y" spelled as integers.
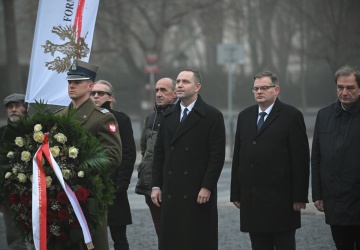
{"x": 82, "y": 161}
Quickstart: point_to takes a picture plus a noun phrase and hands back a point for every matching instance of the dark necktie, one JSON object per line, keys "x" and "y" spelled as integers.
{"x": 261, "y": 120}
{"x": 185, "y": 113}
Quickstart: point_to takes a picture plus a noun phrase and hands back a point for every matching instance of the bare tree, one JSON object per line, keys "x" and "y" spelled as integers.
{"x": 12, "y": 65}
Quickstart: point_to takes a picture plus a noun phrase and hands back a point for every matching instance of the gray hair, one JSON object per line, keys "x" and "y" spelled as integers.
{"x": 347, "y": 71}
{"x": 111, "y": 89}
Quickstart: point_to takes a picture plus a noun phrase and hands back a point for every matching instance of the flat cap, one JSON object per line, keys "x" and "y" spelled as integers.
{"x": 80, "y": 70}
{"x": 14, "y": 98}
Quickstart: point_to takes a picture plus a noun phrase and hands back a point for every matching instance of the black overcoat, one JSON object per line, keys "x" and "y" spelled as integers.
{"x": 188, "y": 157}
{"x": 119, "y": 211}
{"x": 270, "y": 169}
{"x": 335, "y": 163}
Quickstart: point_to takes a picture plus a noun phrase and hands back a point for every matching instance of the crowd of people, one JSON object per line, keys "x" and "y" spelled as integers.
{"x": 183, "y": 151}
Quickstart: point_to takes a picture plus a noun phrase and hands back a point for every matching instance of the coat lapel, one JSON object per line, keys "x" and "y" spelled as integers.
{"x": 272, "y": 116}
{"x": 82, "y": 113}
{"x": 191, "y": 120}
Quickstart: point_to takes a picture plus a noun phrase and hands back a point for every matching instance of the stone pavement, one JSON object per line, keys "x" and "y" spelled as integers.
{"x": 313, "y": 235}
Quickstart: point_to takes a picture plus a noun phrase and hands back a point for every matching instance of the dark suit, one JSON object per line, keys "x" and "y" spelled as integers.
{"x": 189, "y": 156}
{"x": 270, "y": 169}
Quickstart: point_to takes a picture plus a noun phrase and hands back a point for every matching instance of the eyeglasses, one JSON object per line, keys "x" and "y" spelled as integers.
{"x": 262, "y": 88}
{"x": 99, "y": 93}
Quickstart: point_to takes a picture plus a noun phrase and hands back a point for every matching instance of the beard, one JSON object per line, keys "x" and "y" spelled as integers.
{"x": 14, "y": 117}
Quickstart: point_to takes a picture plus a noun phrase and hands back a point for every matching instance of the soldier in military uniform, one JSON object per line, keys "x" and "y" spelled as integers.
{"x": 98, "y": 121}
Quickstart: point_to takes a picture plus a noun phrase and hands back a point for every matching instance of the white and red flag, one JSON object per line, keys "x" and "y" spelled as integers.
{"x": 64, "y": 32}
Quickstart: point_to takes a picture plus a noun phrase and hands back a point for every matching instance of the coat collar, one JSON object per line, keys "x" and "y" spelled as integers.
{"x": 83, "y": 111}
{"x": 353, "y": 110}
{"x": 199, "y": 107}
{"x": 271, "y": 117}
{"x": 173, "y": 117}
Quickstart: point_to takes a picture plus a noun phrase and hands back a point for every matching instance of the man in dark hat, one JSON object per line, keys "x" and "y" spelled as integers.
{"x": 16, "y": 109}
{"x": 15, "y": 106}
{"x": 97, "y": 121}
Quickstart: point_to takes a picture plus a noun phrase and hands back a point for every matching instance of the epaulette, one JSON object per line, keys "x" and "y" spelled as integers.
{"x": 102, "y": 110}
{"x": 58, "y": 110}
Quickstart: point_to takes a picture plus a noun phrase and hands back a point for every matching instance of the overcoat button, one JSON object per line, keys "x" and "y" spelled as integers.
{"x": 169, "y": 172}
{"x": 186, "y": 172}
{"x": 187, "y": 148}
{"x": 184, "y": 196}
{"x": 254, "y": 142}
{"x": 169, "y": 196}
{"x": 172, "y": 148}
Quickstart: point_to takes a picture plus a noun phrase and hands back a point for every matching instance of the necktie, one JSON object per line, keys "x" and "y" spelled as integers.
{"x": 184, "y": 114}
{"x": 261, "y": 120}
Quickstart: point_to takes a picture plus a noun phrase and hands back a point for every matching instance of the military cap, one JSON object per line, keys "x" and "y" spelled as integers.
{"x": 14, "y": 98}
{"x": 80, "y": 70}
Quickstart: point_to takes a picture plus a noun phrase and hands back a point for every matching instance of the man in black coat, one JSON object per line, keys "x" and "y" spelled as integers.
{"x": 335, "y": 161}
{"x": 270, "y": 170}
{"x": 119, "y": 215}
{"x": 16, "y": 110}
{"x": 188, "y": 158}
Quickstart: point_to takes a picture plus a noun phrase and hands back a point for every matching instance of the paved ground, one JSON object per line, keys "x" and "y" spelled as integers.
{"x": 314, "y": 234}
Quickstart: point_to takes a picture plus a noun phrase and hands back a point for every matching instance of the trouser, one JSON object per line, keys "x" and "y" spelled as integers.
{"x": 155, "y": 214}
{"x": 13, "y": 235}
{"x": 346, "y": 237}
{"x": 118, "y": 235}
{"x": 274, "y": 240}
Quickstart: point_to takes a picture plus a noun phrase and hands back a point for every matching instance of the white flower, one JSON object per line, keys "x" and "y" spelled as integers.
{"x": 25, "y": 156}
{"x": 37, "y": 127}
{"x": 48, "y": 181}
{"x": 15, "y": 170}
{"x": 60, "y": 137}
{"x": 19, "y": 141}
{"x": 66, "y": 173}
{"x": 39, "y": 136}
{"x": 73, "y": 152}
{"x": 55, "y": 151}
{"x": 22, "y": 177}
{"x": 81, "y": 174}
{"x": 7, "y": 175}
{"x": 10, "y": 154}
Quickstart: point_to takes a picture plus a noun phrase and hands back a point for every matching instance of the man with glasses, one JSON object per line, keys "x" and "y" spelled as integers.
{"x": 119, "y": 215}
{"x": 270, "y": 169}
{"x": 335, "y": 161}
{"x": 98, "y": 122}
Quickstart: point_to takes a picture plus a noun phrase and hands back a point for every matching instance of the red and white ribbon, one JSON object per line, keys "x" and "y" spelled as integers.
{"x": 39, "y": 201}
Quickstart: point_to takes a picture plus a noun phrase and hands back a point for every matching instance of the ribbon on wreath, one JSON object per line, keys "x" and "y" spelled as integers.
{"x": 39, "y": 201}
